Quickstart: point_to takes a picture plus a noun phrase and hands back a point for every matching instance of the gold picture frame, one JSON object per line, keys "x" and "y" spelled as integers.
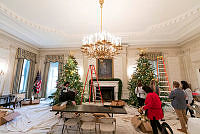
{"x": 105, "y": 68}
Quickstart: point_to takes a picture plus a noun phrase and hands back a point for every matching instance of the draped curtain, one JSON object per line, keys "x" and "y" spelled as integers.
{"x": 17, "y": 78}
{"x": 48, "y": 59}
{"x": 45, "y": 78}
{"x": 20, "y": 56}
{"x": 30, "y": 79}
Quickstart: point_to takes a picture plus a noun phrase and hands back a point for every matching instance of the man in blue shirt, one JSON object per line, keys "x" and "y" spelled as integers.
{"x": 179, "y": 104}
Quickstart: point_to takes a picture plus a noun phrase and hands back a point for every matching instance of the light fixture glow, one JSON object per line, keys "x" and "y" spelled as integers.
{"x": 101, "y": 45}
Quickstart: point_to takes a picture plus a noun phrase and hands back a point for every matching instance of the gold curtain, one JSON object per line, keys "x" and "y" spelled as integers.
{"x": 45, "y": 78}
{"x": 60, "y": 69}
{"x": 17, "y": 78}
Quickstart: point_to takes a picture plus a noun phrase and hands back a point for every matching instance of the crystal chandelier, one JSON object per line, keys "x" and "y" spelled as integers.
{"x": 101, "y": 45}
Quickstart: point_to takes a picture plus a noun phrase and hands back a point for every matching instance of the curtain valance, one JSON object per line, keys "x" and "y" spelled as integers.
{"x": 24, "y": 54}
{"x": 153, "y": 55}
{"x": 54, "y": 58}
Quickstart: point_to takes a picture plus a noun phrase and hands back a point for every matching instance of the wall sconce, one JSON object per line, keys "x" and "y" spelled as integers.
{"x": 1, "y": 72}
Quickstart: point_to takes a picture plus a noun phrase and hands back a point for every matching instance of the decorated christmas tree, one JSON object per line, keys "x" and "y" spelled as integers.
{"x": 144, "y": 74}
{"x": 69, "y": 74}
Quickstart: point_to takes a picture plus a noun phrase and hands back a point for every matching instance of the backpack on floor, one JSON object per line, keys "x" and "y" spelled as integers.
{"x": 166, "y": 129}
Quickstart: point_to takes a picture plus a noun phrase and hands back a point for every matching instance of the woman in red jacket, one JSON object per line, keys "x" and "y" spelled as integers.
{"x": 153, "y": 105}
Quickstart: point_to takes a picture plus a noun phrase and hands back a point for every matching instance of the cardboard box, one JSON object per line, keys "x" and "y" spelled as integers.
{"x": 100, "y": 115}
{"x": 6, "y": 118}
{"x": 31, "y": 102}
{"x": 135, "y": 122}
{"x": 2, "y": 114}
{"x": 118, "y": 103}
{"x": 27, "y": 102}
{"x": 144, "y": 126}
{"x": 58, "y": 107}
{"x": 36, "y": 101}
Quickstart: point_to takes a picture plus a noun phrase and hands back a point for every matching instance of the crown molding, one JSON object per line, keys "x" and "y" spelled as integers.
{"x": 192, "y": 44}
{"x": 175, "y": 31}
{"x": 8, "y": 12}
{"x": 194, "y": 38}
{"x": 14, "y": 41}
{"x": 6, "y": 26}
{"x": 176, "y": 20}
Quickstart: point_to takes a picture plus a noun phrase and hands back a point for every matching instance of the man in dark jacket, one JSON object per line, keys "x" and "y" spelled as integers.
{"x": 179, "y": 104}
{"x": 67, "y": 94}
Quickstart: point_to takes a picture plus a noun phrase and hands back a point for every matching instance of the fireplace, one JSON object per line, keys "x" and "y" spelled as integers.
{"x": 107, "y": 93}
{"x": 109, "y": 90}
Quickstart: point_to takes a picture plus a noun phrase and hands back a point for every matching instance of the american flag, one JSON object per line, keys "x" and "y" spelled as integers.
{"x": 37, "y": 83}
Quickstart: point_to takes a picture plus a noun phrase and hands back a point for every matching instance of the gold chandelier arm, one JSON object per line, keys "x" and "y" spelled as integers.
{"x": 101, "y": 5}
{"x": 101, "y": 19}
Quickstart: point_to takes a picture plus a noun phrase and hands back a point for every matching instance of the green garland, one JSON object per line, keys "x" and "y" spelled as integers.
{"x": 112, "y": 79}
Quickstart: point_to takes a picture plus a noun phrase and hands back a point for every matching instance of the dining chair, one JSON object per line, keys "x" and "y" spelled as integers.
{"x": 107, "y": 125}
{"x": 88, "y": 123}
{"x": 71, "y": 122}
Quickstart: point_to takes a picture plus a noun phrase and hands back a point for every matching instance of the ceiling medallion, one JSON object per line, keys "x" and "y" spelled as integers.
{"x": 101, "y": 45}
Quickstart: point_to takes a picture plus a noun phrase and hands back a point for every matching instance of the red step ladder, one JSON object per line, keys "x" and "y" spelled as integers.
{"x": 91, "y": 71}
{"x": 162, "y": 77}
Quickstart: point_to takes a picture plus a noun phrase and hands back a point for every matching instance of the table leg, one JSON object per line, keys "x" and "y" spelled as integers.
{"x": 109, "y": 115}
{"x": 20, "y": 103}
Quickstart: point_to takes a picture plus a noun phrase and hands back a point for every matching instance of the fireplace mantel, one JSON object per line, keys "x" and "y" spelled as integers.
{"x": 114, "y": 84}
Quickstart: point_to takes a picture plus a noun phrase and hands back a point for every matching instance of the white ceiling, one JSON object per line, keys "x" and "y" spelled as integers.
{"x": 63, "y": 23}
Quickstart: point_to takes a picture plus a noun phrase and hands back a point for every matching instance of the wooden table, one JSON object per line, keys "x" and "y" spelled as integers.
{"x": 93, "y": 109}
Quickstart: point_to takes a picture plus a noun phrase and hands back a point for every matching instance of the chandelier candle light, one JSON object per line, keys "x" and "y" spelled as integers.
{"x": 101, "y": 45}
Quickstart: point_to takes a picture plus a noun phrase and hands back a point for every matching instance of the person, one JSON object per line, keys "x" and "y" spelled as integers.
{"x": 141, "y": 95}
{"x": 179, "y": 104}
{"x": 67, "y": 94}
{"x": 189, "y": 98}
{"x": 155, "y": 87}
{"x": 153, "y": 105}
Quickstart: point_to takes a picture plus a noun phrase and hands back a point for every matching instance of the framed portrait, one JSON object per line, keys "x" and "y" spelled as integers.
{"x": 105, "y": 68}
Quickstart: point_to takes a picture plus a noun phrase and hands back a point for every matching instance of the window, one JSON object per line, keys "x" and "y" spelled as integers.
{"x": 24, "y": 76}
{"x": 154, "y": 66}
{"x": 52, "y": 78}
